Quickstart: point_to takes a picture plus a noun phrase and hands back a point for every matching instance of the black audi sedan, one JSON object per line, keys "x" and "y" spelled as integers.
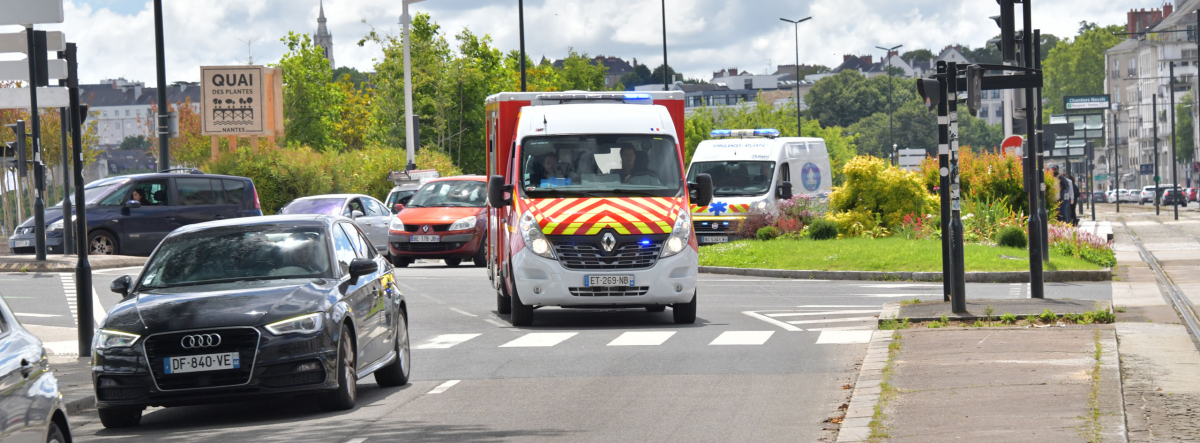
{"x": 254, "y": 307}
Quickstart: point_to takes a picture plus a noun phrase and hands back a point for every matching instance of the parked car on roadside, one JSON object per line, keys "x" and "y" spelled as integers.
{"x": 1099, "y": 197}
{"x": 1191, "y": 194}
{"x": 30, "y": 401}
{"x": 1172, "y": 197}
{"x": 234, "y": 310}
{"x": 1110, "y": 196}
{"x": 446, "y": 220}
{"x": 1128, "y": 195}
{"x": 130, "y": 214}
{"x": 368, "y": 213}
{"x": 1147, "y": 195}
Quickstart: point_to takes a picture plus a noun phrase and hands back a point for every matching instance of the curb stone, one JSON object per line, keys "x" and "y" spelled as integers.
{"x": 76, "y": 406}
{"x": 60, "y": 264}
{"x": 971, "y": 277}
{"x": 856, "y": 423}
{"x": 891, "y": 311}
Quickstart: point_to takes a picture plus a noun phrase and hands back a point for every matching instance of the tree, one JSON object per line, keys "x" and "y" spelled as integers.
{"x": 580, "y": 73}
{"x": 311, "y": 103}
{"x": 1076, "y": 67}
{"x": 639, "y": 76}
{"x": 920, "y": 55}
{"x": 657, "y": 75}
{"x": 913, "y": 127}
{"x": 844, "y": 99}
{"x": 1185, "y": 146}
{"x": 131, "y": 143}
{"x": 356, "y": 77}
{"x": 978, "y": 134}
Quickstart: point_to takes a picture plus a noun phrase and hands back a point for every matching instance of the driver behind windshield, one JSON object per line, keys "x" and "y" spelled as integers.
{"x": 548, "y": 169}
{"x": 761, "y": 179}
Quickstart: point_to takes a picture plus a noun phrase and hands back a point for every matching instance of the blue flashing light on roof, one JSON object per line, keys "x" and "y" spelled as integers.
{"x": 637, "y": 96}
{"x": 744, "y": 133}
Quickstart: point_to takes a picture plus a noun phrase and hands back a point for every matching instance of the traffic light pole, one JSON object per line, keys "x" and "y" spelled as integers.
{"x": 1174, "y": 159}
{"x": 64, "y": 119}
{"x": 1036, "y": 289}
{"x": 39, "y": 178}
{"x": 958, "y": 296}
{"x": 1091, "y": 171}
{"x": 1157, "y": 179}
{"x": 1116, "y": 159}
{"x": 83, "y": 268}
{"x": 944, "y": 179}
{"x": 1040, "y": 174}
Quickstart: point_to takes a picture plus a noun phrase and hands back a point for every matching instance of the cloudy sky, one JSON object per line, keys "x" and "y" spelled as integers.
{"x": 116, "y": 37}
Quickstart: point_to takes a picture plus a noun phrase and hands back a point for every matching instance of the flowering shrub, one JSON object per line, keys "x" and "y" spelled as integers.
{"x": 917, "y": 227}
{"x": 991, "y": 177}
{"x": 875, "y": 188}
{"x": 757, "y": 219}
{"x": 1066, "y": 240}
{"x": 803, "y": 209}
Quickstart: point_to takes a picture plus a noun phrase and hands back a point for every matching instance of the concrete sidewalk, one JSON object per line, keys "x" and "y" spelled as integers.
{"x": 62, "y": 263}
{"x": 1001, "y": 384}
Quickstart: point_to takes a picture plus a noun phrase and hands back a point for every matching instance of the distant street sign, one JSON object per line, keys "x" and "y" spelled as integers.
{"x": 19, "y": 69}
{"x": 26, "y": 12}
{"x": 15, "y": 42}
{"x": 911, "y": 159}
{"x": 1082, "y": 102}
{"x": 1101, "y": 177}
{"x": 48, "y": 97}
{"x": 1012, "y": 145}
{"x": 232, "y": 99}
{"x": 1146, "y": 169}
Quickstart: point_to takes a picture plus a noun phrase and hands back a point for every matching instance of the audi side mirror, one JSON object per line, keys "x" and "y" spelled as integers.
{"x": 784, "y": 191}
{"x": 362, "y": 266}
{"x": 496, "y": 191}
{"x": 701, "y": 191}
{"x": 133, "y": 204}
{"x": 121, "y": 285}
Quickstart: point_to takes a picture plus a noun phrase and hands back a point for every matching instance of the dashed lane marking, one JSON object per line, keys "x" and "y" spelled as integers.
{"x": 642, "y": 338}
{"x": 446, "y": 341}
{"x": 742, "y": 338}
{"x": 444, "y": 386}
{"x": 844, "y": 337}
{"x": 460, "y": 311}
{"x": 32, "y": 315}
{"x": 539, "y": 340}
{"x": 899, "y": 285}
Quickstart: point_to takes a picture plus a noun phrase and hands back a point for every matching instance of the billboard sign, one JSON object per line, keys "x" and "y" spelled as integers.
{"x": 232, "y": 100}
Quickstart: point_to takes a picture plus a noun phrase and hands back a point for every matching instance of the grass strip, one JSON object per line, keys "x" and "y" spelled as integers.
{"x": 865, "y": 254}
{"x": 886, "y": 393}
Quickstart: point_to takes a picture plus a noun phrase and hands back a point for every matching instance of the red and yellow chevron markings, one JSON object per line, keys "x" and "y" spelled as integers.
{"x": 730, "y": 209}
{"x": 588, "y": 216}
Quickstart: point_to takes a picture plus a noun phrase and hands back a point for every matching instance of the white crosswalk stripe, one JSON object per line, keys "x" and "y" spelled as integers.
{"x": 445, "y": 341}
{"x": 642, "y": 338}
{"x": 742, "y": 338}
{"x": 539, "y": 339}
{"x": 844, "y": 337}
{"x": 812, "y": 318}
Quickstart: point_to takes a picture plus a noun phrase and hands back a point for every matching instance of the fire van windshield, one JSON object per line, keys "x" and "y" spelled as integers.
{"x": 600, "y": 166}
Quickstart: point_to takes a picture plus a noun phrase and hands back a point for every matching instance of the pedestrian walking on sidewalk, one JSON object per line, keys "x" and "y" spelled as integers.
{"x": 1076, "y": 196}
{"x": 1064, "y": 187}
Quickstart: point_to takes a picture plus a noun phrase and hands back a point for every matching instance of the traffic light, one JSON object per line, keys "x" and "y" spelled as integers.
{"x": 930, "y": 91}
{"x": 974, "y": 89}
{"x": 1008, "y": 30}
{"x": 19, "y": 147}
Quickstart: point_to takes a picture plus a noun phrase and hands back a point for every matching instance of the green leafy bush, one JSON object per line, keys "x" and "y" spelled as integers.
{"x": 767, "y": 233}
{"x": 875, "y": 188}
{"x": 1008, "y": 318}
{"x": 1048, "y": 316}
{"x": 1012, "y": 237}
{"x": 823, "y": 230}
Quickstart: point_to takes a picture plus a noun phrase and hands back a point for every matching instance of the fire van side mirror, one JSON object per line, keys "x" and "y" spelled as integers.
{"x": 496, "y": 190}
{"x": 702, "y": 190}
{"x": 784, "y": 192}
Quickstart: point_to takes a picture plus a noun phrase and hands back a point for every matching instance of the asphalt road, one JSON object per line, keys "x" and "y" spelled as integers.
{"x": 766, "y": 360}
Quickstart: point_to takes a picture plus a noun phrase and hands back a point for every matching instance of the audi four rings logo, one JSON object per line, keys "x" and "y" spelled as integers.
{"x": 200, "y": 341}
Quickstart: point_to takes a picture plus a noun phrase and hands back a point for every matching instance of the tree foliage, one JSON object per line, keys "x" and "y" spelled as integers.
{"x": 1185, "y": 145}
{"x": 1076, "y": 67}
{"x": 311, "y": 102}
{"x": 920, "y": 55}
{"x": 135, "y": 143}
{"x": 843, "y": 99}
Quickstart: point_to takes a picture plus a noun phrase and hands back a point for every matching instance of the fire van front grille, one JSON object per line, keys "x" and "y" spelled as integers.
{"x": 609, "y": 291}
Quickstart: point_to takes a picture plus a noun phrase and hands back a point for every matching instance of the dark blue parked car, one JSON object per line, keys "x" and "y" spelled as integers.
{"x": 131, "y": 214}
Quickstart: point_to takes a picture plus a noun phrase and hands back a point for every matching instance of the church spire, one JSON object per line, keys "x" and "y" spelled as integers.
{"x": 323, "y": 38}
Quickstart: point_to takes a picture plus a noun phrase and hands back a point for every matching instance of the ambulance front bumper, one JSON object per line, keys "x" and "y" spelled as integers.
{"x": 545, "y": 282}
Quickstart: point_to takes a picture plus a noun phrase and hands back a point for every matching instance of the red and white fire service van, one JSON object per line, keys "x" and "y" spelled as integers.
{"x": 588, "y": 203}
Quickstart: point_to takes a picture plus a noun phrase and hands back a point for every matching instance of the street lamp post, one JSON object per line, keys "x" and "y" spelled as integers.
{"x": 409, "y": 137}
{"x": 164, "y": 135}
{"x": 666, "y": 75}
{"x": 796, "y": 23}
{"x": 521, "y": 24}
{"x": 887, "y": 53}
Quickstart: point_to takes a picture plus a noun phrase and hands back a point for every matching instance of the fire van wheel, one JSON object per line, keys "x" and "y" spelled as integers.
{"x": 685, "y": 313}
{"x": 521, "y": 315}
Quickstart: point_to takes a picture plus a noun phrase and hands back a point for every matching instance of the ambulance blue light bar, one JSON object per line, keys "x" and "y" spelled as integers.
{"x": 743, "y": 133}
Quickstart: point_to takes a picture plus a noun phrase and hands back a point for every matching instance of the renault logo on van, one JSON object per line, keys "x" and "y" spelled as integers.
{"x": 608, "y": 241}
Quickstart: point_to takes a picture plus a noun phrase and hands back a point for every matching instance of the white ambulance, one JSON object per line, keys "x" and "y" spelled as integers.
{"x": 753, "y": 169}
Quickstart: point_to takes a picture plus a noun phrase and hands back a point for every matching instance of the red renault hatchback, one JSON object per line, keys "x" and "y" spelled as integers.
{"x": 446, "y": 219}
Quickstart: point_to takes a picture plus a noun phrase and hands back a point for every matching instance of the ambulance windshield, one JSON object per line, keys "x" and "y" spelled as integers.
{"x": 600, "y": 166}
{"x": 736, "y": 178}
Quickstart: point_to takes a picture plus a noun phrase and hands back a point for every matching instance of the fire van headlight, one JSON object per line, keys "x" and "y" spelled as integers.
{"x": 762, "y": 205}
{"x": 396, "y": 225}
{"x": 531, "y": 232}
{"x": 464, "y": 223}
{"x": 680, "y": 234}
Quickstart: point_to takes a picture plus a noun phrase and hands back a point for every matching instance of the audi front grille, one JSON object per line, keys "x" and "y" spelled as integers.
{"x": 160, "y": 346}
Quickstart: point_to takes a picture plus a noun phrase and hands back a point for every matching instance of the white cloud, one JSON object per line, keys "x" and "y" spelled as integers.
{"x": 703, "y": 35}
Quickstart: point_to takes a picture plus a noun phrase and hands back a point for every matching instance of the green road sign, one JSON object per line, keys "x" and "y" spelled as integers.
{"x": 1101, "y": 177}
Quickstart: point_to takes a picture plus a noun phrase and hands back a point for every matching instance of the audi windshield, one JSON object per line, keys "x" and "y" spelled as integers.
{"x": 600, "y": 166}
{"x": 238, "y": 253}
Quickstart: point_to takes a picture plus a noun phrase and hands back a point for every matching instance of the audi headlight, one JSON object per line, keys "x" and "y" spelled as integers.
{"x": 464, "y": 223}
{"x": 680, "y": 236}
{"x": 531, "y": 232}
{"x": 304, "y": 324}
{"x": 109, "y": 339}
{"x": 396, "y": 225}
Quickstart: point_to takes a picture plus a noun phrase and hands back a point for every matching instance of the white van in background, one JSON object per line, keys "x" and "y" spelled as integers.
{"x": 752, "y": 169}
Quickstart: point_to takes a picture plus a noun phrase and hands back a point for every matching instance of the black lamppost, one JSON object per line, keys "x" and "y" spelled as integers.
{"x": 521, "y": 23}
{"x": 164, "y": 136}
{"x": 796, "y": 23}
{"x": 666, "y": 76}
{"x": 887, "y": 54}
